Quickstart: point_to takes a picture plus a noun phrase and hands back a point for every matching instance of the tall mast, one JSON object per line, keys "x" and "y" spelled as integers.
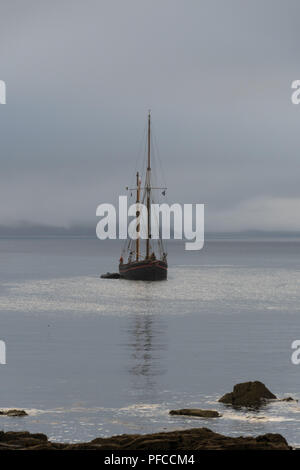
{"x": 138, "y": 188}
{"x": 148, "y": 189}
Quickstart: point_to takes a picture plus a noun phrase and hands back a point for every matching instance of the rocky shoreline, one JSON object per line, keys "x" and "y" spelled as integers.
{"x": 247, "y": 394}
{"x": 191, "y": 439}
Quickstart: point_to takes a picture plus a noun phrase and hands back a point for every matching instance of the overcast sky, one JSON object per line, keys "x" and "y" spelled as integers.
{"x": 81, "y": 76}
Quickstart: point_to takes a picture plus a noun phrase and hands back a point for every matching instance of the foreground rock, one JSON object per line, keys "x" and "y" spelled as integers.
{"x": 196, "y": 412}
{"x": 191, "y": 439}
{"x": 13, "y": 413}
{"x": 248, "y": 394}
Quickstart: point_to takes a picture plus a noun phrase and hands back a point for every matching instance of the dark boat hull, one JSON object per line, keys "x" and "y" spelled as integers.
{"x": 146, "y": 270}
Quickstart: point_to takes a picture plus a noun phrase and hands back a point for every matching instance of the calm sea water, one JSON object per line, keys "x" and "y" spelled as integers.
{"x": 88, "y": 357}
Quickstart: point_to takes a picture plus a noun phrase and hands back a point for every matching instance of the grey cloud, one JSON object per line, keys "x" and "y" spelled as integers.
{"x": 81, "y": 76}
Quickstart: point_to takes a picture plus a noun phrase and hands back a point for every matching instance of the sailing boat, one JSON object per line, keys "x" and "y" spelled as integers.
{"x": 151, "y": 266}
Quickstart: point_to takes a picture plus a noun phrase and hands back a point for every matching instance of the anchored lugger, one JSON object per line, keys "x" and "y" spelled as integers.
{"x": 151, "y": 266}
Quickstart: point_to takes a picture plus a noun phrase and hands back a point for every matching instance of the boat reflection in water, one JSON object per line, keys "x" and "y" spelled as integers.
{"x": 146, "y": 345}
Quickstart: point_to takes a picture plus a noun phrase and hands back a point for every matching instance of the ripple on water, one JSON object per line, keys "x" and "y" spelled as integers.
{"x": 218, "y": 288}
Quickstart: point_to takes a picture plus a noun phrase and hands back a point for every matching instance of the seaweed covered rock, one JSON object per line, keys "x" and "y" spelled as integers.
{"x": 288, "y": 399}
{"x": 248, "y": 394}
{"x": 192, "y": 439}
{"x": 13, "y": 413}
{"x": 188, "y": 439}
{"x": 196, "y": 412}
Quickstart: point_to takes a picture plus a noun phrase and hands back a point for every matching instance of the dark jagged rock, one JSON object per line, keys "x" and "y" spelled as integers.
{"x": 13, "y": 413}
{"x": 288, "y": 399}
{"x": 190, "y": 439}
{"x": 248, "y": 394}
{"x": 20, "y": 439}
{"x": 111, "y": 276}
{"x": 196, "y": 412}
